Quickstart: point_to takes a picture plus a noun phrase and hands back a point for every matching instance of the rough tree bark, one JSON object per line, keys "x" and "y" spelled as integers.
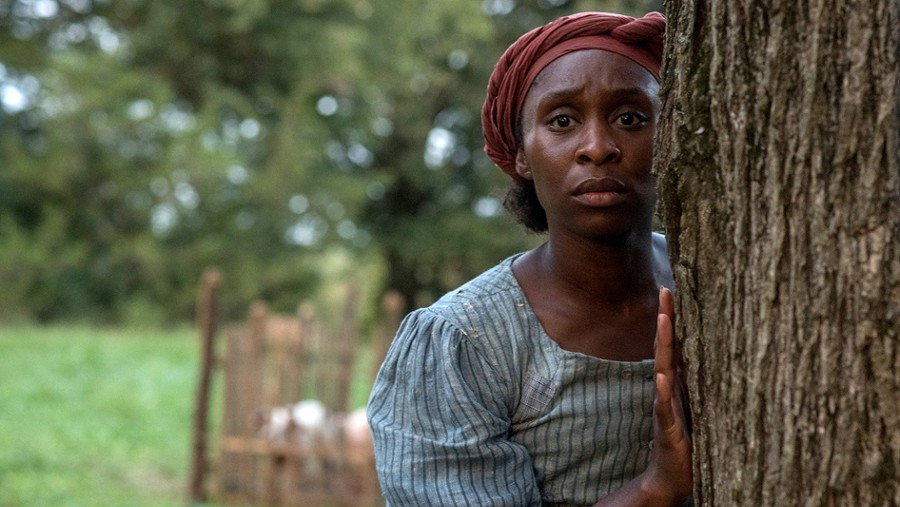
{"x": 779, "y": 180}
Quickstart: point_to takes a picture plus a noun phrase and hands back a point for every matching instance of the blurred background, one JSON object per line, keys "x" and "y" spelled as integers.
{"x": 296, "y": 145}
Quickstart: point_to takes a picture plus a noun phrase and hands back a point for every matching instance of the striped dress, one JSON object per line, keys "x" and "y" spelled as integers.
{"x": 476, "y": 405}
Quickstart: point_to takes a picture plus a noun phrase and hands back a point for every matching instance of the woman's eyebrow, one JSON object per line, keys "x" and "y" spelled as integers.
{"x": 554, "y": 96}
{"x": 559, "y": 95}
{"x": 629, "y": 92}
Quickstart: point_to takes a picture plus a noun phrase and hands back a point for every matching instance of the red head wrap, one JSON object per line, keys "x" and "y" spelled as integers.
{"x": 640, "y": 40}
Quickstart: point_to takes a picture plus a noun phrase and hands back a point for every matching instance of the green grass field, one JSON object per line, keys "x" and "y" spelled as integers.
{"x": 98, "y": 417}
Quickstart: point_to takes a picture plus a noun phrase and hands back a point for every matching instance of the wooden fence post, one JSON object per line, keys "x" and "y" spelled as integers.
{"x": 348, "y": 340}
{"x": 392, "y": 305}
{"x": 207, "y": 313}
{"x": 253, "y": 357}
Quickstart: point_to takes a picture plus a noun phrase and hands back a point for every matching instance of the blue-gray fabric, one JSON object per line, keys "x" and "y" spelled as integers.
{"x": 476, "y": 405}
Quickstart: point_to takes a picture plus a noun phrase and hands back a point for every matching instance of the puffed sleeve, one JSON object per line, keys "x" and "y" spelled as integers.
{"x": 440, "y": 419}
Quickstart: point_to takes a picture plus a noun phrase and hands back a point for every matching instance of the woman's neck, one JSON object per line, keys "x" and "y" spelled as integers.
{"x": 611, "y": 271}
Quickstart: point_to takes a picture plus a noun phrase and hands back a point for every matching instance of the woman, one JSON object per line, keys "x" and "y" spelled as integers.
{"x": 535, "y": 382}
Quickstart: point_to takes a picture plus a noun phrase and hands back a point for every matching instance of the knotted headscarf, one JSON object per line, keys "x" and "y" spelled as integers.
{"x": 639, "y": 39}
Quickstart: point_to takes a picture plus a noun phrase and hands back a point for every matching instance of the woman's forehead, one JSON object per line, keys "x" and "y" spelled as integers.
{"x": 595, "y": 69}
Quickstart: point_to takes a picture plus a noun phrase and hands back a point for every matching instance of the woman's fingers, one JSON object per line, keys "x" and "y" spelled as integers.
{"x": 667, "y": 307}
{"x": 665, "y": 353}
{"x": 667, "y": 395}
{"x": 665, "y": 417}
{"x": 670, "y": 460}
{"x": 667, "y": 303}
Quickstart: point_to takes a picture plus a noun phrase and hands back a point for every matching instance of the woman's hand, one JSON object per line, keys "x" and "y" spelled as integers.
{"x": 669, "y": 476}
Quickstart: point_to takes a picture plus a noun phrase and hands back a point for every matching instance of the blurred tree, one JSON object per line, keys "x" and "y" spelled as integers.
{"x": 434, "y": 198}
{"x": 141, "y": 141}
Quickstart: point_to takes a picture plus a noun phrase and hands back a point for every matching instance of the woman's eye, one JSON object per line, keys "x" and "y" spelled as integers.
{"x": 631, "y": 119}
{"x": 561, "y": 121}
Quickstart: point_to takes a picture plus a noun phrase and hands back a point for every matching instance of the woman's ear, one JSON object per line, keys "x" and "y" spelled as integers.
{"x": 522, "y": 168}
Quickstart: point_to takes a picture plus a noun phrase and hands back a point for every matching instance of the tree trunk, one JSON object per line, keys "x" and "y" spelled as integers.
{"x": 779, "y": 181}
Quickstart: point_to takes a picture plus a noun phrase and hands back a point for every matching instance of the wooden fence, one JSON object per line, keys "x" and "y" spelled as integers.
{"x": 273, "y": 450}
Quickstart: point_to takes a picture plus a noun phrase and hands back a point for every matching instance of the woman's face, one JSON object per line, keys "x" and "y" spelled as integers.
{"x": 587, "y": 137}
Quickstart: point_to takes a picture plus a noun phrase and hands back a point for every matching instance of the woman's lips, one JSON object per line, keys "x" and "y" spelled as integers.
{"x": 600, "y": 192}
{"x": 600, "y": 199}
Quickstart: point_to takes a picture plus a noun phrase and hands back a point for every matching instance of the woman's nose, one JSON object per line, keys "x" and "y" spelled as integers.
{"x": 597, "y": 145}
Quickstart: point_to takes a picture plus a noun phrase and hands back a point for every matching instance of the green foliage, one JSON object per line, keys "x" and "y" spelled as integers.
{"x": 266, "y": 137}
